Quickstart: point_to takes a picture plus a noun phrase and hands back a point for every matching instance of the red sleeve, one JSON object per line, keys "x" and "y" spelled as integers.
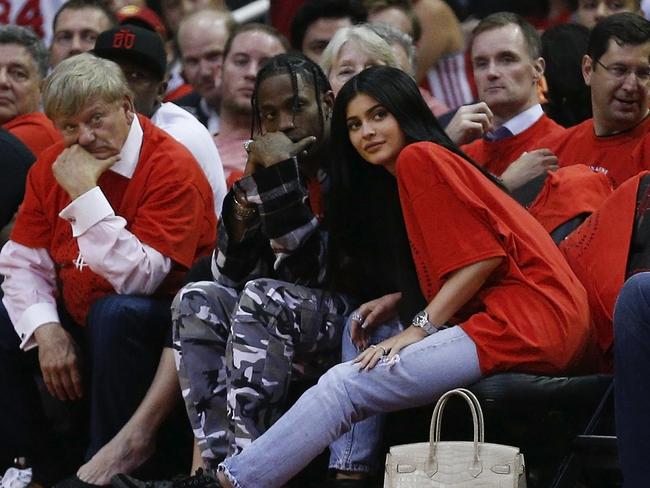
{"x": 174, "y": 212}
{"x": 567, "y": 193}
{"x": 474, "y": 150}
{"x": 32, "y": 227}
{"x": 35, "y": 130}
{"x": 170, "y": 221}
{"x": 454, "y": 232}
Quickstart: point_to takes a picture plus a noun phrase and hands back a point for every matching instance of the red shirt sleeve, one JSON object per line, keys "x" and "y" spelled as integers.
{"x": 32, "y": 227}
{"x": 454, "y": 233}
{"x": 35, "y": 130}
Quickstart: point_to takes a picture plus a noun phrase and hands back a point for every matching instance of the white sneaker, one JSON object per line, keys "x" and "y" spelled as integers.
{"x": 16, "y": 478}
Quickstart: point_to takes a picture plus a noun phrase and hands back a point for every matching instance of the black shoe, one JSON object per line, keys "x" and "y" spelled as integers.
{"x": 201, "y": 479}
{"x": 75, "y": 482}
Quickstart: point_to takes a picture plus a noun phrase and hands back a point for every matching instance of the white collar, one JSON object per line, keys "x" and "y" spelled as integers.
{"x": 524, "y": 120}
{"x": 130, "y": 153}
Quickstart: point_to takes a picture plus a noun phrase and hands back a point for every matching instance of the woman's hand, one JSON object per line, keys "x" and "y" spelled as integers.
{"x": 371, "y": 314}
{"x": 460, "y": 287}
{"x": 389, "y": 348}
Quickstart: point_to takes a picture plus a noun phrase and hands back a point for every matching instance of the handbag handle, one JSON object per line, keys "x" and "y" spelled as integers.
{"x": 474, "y": 405}
{"x": 434, "y": 432}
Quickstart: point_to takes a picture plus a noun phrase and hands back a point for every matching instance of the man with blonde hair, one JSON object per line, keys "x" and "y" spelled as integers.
{"x": 112, "y": 218}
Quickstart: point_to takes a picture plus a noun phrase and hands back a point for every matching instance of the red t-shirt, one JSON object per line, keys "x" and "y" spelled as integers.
{"x": 496, "y": 156}
{"x": 167, "y": 204}
{"x": 567, "y": 193}
{"x": 34, "y": 130}
{"x": 532, "y": 314}
{"x": 617, "y": 153}
{"x": 598, "y": 252}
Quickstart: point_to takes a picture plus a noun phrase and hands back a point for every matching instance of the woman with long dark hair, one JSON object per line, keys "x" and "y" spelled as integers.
{"x": 481, "y": 282}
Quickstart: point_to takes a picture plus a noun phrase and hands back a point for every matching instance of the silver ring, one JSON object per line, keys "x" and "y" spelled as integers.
{"x": 384, "y": 352}
{"x": 373, "y": 346}
{"x": 357, "y": 316}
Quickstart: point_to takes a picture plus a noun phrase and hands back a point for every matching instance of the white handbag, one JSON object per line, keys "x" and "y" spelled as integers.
{"x": 457, "y": 464}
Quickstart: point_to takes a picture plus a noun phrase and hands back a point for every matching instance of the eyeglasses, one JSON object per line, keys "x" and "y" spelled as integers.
{"x": 620, "y": 72}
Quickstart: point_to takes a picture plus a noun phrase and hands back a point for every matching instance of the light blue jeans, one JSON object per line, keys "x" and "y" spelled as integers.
{"x": 358, "y": 449}
{"x": 344, "y": 395}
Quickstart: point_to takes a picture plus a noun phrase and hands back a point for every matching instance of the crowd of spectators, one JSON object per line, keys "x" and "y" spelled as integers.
{"x": 197, "y": 210}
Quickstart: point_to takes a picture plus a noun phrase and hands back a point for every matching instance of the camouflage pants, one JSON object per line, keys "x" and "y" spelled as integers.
{"x": 234, "y": 354}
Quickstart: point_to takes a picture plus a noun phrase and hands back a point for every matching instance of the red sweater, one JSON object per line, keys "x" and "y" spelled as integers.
{"x": 167, "y": 204}
{"x": 496, "y": 156}
{"x": 35, "y": 130}
{"x": 621, "y": 155}
{"x": 598, "y": 252}
{"x": 567, "y": 193}
{"x": 532, "y": 313}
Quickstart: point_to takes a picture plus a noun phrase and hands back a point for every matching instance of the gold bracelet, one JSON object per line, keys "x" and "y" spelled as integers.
{"x": 242, "y": 212}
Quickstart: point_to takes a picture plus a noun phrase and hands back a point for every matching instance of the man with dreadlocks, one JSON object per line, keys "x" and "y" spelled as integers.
{"x": 237, "y": 337}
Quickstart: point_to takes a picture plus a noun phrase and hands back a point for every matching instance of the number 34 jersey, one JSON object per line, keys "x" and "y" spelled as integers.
{"x": 36, "y": 14}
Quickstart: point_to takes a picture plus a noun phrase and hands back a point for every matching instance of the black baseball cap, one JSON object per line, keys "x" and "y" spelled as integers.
{"x": 134, "y": 43}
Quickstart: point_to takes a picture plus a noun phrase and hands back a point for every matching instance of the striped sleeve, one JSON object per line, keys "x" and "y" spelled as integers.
{"x": 285, "y": 240}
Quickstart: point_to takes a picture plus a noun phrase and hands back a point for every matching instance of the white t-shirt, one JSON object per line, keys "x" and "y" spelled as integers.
{"x": 184, "y": 127}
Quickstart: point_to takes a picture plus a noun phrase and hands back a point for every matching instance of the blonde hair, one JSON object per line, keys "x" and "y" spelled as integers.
{"x": 395, "y": 37}
{"x": 77, "y": 80}
{"x": 363, "y": 36}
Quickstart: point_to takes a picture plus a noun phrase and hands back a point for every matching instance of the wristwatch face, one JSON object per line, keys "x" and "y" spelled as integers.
{"x": 421, "y": 319}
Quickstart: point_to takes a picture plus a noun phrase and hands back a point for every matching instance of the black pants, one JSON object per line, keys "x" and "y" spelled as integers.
{"x": 120, "y": 347}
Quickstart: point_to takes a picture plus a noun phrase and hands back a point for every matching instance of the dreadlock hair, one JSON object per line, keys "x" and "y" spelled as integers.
{"x": 292, "y": 64}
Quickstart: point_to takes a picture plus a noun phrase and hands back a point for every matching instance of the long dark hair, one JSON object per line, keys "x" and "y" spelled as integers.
{"x": 367, "y": 226}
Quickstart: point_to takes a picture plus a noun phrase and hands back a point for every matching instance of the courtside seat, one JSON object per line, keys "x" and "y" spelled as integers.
{"x": 551, "y": 419}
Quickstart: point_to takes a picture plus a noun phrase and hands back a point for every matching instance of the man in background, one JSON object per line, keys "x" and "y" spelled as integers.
{"x": 590, "y": 12}
{"x": 249, "y": 47}
{"x": 318, "y": 20}
{"x": 506, "y": 58}
{"x": 617, "y": 69}
{"x": 202, "y": 38}
{"x": 76, "y": 27}
{"x": 23, "y": 65}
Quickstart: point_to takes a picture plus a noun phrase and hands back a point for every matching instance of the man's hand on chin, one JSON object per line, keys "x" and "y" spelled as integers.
{"x": 78, "y": 171}
{"x": 272, "y": 148}
{"x": 59, "y": 361}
